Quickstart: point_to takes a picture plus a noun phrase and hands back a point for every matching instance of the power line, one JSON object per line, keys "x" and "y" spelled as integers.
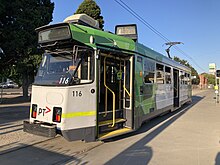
{"x": 147, "y": 24}
{"x": 131, "y": 11}
{"x": 185, "y": 54}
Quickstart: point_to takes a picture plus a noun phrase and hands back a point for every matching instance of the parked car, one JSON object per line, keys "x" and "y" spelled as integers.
{"x": 10, "y": 84}
{"x": 3, "y": 85}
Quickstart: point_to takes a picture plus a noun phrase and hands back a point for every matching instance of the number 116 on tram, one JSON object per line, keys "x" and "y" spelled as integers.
{"x": 93, "y": 85}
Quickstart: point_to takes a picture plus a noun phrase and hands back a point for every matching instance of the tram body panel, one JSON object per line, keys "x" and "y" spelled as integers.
{"x": 81, "y": 108}
{"x": 73, "y": 106}
{"x": 164, "y": 96}
{"x": 93, "y": 85}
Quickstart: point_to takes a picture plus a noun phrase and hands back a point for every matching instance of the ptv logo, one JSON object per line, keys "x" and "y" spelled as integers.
{"x": 43, "y": 110}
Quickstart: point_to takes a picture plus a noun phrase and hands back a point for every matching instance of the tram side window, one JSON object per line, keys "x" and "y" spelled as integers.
{"x": 182, "y": 77}
{"x": 160, "y": 74}
{"x": 86, "y": 69}
{"x": 168, "y": 75}
{"x": 149, "y": 71}
{"x": 187, "y": 78}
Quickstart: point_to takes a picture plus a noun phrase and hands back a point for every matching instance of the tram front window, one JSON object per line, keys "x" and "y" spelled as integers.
{"x": 66, "y": 69}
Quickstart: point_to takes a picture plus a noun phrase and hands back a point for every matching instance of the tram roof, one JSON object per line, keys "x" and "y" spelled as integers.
{"x": 105, "y": 40}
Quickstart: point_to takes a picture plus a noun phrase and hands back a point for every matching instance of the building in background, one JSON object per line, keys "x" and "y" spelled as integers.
{"x": 203, "y": 82}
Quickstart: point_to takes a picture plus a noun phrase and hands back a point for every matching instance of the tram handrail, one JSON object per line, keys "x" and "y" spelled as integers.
{"x": 113, "y": 110}
{"x": 127, "y": 91}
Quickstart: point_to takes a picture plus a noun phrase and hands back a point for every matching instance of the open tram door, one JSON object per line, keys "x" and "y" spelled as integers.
{"x": 176, "y": 94}
{"x": 115, "y": 98}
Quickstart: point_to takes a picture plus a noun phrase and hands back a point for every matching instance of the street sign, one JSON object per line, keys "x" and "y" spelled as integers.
{"x": 212, "y": 68}
{"x": 217, "y": 73}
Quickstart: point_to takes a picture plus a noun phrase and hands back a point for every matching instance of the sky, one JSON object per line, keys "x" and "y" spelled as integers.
{"x": 195, "y": 23}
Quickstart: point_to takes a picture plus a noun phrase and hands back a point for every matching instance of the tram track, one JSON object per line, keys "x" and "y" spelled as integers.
{"x": 57, "y": 147}
{"x": 50, "y": 151}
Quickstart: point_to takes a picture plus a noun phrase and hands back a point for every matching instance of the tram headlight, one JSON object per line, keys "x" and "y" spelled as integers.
{"x": 34, "y": 111}
{"x": 57, "y": 112}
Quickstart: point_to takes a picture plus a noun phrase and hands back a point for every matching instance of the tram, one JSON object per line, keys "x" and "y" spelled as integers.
{"x": 94, "y": 85}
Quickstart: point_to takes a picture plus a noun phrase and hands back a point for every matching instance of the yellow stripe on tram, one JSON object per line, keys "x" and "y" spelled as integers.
{"x": 78, "y": 114}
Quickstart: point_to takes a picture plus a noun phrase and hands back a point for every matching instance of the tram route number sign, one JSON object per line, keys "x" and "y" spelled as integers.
{"x": 77, "y": 94}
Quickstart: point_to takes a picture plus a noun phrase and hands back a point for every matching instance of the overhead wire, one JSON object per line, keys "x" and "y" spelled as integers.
{"x": 148, "y": 25}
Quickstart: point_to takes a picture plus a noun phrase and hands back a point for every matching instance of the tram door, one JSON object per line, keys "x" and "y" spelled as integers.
{"x": 115, "y": 100}
{"x": 176, "y": 88}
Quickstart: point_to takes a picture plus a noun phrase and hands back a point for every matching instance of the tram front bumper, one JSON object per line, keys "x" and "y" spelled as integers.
{"x": 39, "y": 129}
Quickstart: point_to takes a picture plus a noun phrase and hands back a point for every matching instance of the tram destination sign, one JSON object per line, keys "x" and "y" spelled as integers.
{"x": 129, "y": 31}
{"x": 54, "y": 34}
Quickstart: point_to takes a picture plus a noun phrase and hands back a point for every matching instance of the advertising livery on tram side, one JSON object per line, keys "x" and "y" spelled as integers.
{"x": 93, "y": 85}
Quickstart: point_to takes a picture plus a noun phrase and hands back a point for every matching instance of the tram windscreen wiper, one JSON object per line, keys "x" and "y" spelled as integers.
{"x": 77, "y": 67}
{"x": 76, "y": 80}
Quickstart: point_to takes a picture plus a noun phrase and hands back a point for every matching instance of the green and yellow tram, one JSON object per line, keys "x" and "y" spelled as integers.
{"x": 93, "y": 85}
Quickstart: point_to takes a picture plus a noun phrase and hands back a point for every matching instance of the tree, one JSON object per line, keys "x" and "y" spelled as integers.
{"x": 18, "y": 21}
{"x": 193, "y": 71}
{"x": 90, "y": 8}
{"x": 210, "y": 77}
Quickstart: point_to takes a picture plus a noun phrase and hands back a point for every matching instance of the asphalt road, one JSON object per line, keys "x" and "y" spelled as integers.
{"x": 190, "y": 135}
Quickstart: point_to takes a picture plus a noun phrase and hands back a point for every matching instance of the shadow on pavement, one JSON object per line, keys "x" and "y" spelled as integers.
{"x": 144, "y": 153}
{"x": 34, "y": 155}
{"x": 217, "y": 159}
{"x": 13, "y": 113}
{"x": 15, "y": 100}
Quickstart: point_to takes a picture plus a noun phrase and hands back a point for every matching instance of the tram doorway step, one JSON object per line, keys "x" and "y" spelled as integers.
{"x": 114, "y": 133}
{"x": 108, "y": 125}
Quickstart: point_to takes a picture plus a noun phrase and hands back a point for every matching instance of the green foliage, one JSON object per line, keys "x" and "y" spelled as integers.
{"x": 90, "y": 8}
{"x": 210, "y": 77}
{"x": 193, "y": 71}
{"x": 18, "y": 21}
{"x": 31, "y": 64}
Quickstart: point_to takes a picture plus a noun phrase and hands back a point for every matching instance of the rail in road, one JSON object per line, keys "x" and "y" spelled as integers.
{"x": 26, "y": 148}
{"x": 49, "y": 151}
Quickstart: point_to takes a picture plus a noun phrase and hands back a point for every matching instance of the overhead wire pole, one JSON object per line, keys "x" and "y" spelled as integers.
{"x": 217, "y": 82}
{"x": 137, "y": 16}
